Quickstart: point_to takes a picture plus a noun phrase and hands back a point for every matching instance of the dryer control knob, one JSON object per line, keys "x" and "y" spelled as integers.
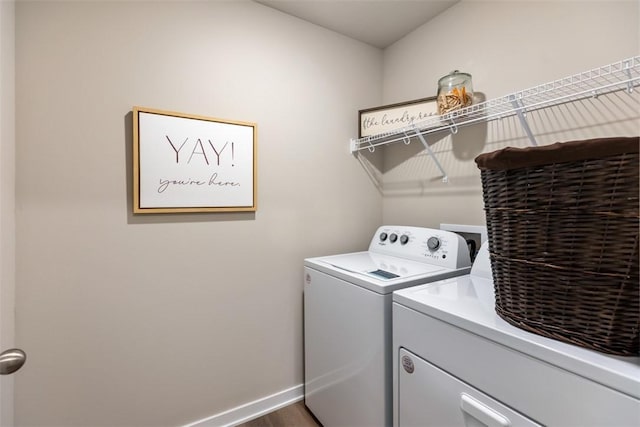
{"x": 393, "y": 237}
{"x": 404, "y": 239}
{"x": 433, "y": 243}
{"x": 383, "y": 236}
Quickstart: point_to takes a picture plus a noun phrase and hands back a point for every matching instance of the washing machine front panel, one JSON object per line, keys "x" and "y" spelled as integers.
{"x": 347, "y": 372}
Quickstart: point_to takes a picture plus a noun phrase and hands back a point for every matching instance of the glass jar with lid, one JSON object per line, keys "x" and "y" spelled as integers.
{"x": 455, "y": 91}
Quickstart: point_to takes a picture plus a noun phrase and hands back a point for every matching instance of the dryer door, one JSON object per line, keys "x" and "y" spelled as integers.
{"x": 429, "y": 396}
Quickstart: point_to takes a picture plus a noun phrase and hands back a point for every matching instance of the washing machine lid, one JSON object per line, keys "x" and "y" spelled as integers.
{"x": 381, "y": 273}
{"x": 379, "y": 266}
{"x": 468, "y": 302}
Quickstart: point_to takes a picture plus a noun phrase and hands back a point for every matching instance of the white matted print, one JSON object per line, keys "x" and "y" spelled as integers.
{"x": 188, "y": 163}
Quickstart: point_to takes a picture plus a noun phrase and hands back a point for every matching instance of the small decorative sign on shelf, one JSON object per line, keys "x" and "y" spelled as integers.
{"x": 188, "y": 163}
{"x": 378, "y": 120}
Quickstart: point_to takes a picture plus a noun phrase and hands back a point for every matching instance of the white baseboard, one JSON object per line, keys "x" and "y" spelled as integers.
{"x": 252, "y": 410}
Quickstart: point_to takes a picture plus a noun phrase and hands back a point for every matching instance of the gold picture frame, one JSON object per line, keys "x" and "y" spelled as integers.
{"x": 190, "y": 163}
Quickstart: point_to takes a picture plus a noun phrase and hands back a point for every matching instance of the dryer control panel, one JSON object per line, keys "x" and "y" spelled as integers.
{"x": 432, "y": 246}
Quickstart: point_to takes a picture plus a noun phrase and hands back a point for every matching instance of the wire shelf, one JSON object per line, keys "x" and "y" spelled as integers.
{"x": 621, "y": 75}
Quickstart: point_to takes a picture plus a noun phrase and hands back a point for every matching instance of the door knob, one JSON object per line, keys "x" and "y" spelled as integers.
{"x": 11, "y": 360}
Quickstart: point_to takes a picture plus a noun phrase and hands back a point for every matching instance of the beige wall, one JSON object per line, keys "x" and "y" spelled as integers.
{"x": 167, "y": 319}
{"x": 506, "y": 46}
{"x": 163, "y": 320}
{"x": 7, "y": 199}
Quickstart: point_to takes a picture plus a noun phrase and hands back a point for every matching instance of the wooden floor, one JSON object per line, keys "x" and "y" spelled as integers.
{"x": 296, "y": 415}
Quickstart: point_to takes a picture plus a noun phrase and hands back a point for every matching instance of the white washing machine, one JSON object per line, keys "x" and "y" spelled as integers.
{"x": 347, "y": 319}
{"x": 457, "y": 363}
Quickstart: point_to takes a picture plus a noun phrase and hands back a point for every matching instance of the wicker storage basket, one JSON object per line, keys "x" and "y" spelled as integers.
{"x": 563, "y": 227}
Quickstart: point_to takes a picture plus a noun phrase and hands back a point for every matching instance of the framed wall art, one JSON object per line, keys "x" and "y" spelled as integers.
{"x": 374, "y": 121}
{"x": 189, "y": 163}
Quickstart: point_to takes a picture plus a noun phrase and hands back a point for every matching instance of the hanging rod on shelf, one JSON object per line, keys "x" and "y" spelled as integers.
{"x": 621, "y": 75}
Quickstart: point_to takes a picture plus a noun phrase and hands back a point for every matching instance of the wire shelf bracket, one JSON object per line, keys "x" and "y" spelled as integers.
{"x": 518, "y": 106}
{"x": 423, "y": 140}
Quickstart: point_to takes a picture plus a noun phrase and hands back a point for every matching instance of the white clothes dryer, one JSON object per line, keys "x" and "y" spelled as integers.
{"x": 347, "y": 319}
{"x": 457, "y": 363}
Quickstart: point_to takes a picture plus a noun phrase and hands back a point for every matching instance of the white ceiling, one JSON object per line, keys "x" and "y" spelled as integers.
{"x": 379, "y": 23}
